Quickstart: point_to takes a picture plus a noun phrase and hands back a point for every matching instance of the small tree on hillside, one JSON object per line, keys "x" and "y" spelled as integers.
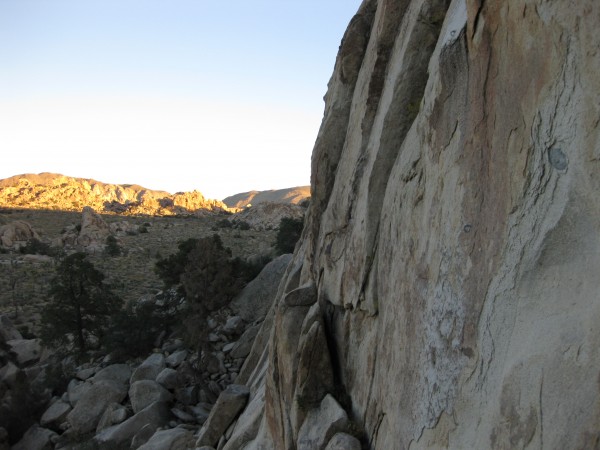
{"x": 80, "y": 303}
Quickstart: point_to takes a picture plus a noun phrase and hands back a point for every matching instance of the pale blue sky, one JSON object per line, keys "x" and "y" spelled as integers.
{"x": 222, "y": 97}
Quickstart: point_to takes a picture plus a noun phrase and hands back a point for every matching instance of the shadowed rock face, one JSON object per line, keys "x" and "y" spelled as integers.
{"x": 453, "y": 236}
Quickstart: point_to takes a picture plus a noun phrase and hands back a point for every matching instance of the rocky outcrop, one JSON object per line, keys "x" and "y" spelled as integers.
{"x": 451, "y": 241}
{"x": 267, "y": 215}
{"x": 295, "y": 195}
{"x": 55, "y": 191}
{"x": 94, "y": 230}
{"x": 16, "y": 234}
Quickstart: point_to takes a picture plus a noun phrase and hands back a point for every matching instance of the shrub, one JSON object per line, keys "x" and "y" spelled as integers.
{"x": 224, "y": 223}
{"x": 37, "y": 247}
{"x": 112, "y": 247}
{"x": 288, "y": 234}
{"x": 242, "y": 225}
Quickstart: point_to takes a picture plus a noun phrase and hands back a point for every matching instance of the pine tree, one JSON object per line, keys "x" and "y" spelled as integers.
{"x": 80, "y": 303}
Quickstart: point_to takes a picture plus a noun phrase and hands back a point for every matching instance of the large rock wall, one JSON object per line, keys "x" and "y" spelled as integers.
{"x": 445, "y": 291}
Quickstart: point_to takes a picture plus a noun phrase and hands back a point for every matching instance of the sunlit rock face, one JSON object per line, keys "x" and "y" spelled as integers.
{"x": 59, "y": 192}
{"x": 448, "y": 266}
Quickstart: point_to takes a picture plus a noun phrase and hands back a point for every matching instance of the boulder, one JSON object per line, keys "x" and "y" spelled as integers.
{"x": 94, "y": 230}
{"x": 88, "y": 411}
{"x": 343, "y": 441}
{"x": 36, "y": 438}
{"x": 149, "y": 369}
{"x": 229, "y": 404}
{"x": 145, "y": 392}
{"x": 173, "y": 439}
{"x": 143, "y": 435}
{"x": 322, "y": 424}
{"x": 257, "y": 297}
{"x": 176, "y": 358}
{"x": 187, "y": 395}
{"x": 56, "y": 414}
{"x": 169, "y": 378}
{"x": 173, "y": 346}
{"x": 84, "y": 374}
{"x": 154, "y": 415}
{"x": 27, "y": 351}
{"x": 15, "y": 233}
{"x": 233, "y": 326}
{"x": 114, "y": 413}
{"x": 121, "y": 373}
{"x": 75, "y": 390}
{"x": 182, "y": 415}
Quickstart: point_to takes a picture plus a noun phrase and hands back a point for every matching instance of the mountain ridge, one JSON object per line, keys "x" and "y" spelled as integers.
{"x": 54, "y": 191}
{"x": 293, "y": 195}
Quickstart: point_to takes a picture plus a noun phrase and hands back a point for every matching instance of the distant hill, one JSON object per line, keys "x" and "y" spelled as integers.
{"x": 292, "y": 195}
{"x": 59, "y": 192}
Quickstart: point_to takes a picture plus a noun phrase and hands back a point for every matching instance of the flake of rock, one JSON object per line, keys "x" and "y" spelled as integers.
{"x": 229, "y": 404}
{"x": 321, "y": 424}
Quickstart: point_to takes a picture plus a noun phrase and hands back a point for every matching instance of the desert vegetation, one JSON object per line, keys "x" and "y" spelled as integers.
{"x": 152, "y": 282}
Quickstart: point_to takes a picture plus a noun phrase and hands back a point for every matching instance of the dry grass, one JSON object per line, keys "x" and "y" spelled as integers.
{"x": 131, "y": 274}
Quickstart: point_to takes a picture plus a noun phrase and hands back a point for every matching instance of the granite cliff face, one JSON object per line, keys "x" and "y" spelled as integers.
{"x": 445, "y": 291}
{"x": 55, "y": 191}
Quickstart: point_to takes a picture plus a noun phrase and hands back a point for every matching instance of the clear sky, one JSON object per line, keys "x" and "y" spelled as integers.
{"x": 177, "y": 95}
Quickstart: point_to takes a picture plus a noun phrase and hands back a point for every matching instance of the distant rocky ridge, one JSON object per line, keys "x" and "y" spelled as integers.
{"x": 294, "y": 195}
{"x": 60, "y": 192}
{"x": 267, "y": 215}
